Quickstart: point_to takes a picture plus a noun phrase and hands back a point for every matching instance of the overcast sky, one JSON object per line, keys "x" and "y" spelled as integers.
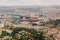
{"x": 28, "y": 2}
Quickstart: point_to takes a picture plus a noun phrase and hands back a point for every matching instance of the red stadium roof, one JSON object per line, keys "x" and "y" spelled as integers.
{"x": 30, "y": 19}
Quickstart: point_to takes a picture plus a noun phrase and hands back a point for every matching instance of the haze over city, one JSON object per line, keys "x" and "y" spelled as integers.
{"x": 29, "y": 2}
{"x": 29, "y": 19}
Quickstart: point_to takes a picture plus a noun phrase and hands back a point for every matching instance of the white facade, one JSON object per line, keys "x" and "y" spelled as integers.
{"x": 1, "y": 24}
{"x": 24, "y": 22}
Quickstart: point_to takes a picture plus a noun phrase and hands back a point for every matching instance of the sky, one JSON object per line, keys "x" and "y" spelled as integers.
{"x": 29, "y": 2}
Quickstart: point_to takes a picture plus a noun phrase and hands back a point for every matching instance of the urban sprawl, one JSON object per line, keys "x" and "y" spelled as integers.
{"x": 30, "y": 23}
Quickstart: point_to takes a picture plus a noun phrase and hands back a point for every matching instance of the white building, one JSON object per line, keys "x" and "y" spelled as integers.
{"x": 1, "y": 25}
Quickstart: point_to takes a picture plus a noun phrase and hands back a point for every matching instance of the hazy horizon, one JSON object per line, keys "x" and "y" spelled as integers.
{"x": 29, "y": 2}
